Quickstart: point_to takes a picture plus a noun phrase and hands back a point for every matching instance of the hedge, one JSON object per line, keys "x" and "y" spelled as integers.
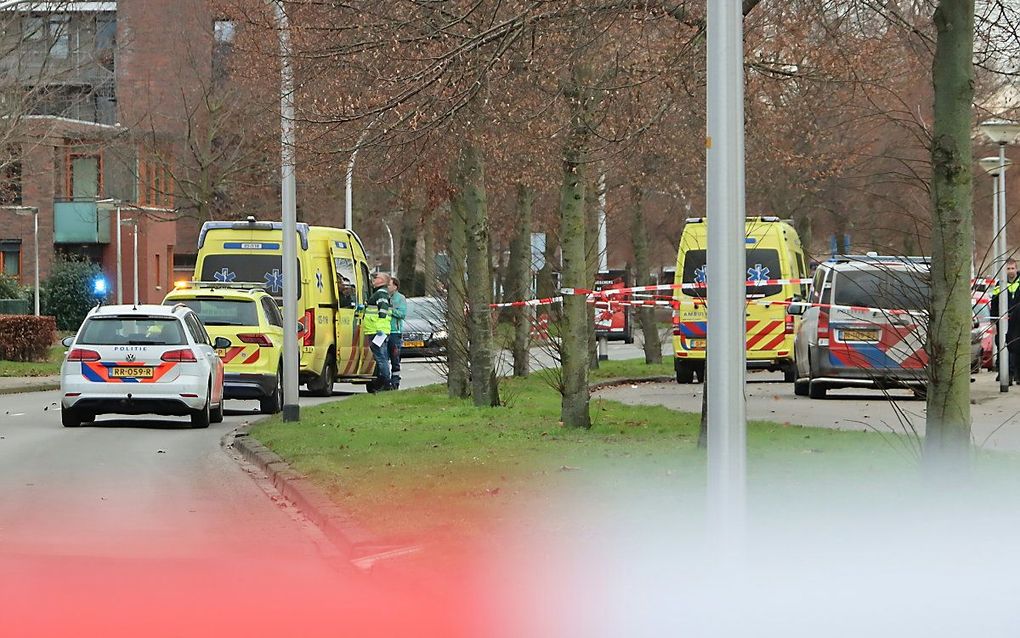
{"x": 26, "y": 337}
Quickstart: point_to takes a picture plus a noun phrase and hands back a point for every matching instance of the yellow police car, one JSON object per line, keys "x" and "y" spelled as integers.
{"x": 248, "y": 316}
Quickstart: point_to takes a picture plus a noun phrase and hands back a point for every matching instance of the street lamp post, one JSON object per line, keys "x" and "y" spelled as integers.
{"x": 603, "y": 247}
{"x": 1002, "y": 132}
{"x": 133, "y": 224}
{"x": 120, "y": 262}
{"x": 349, "y": 202}
{"x": 288, "y": 200}
{"x": 991, "y": 166}
{"x": 34, "y": 212}
{"x": 393, "y": 268}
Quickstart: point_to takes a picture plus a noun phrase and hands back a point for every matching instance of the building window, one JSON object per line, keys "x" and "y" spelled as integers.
{"x": 10, "y": 255}
{"x": 155, "y": 184}
{"x": 106, "y": 40}
{"x": 10, "y": 183}
{"x": 159, "y": 274}
{"x": 60, "y": 37}
{"x": 33, "y": 30}
{"x": 84, "y": 176}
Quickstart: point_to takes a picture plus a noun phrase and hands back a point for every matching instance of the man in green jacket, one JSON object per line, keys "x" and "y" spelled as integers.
{"x": 376, "y": 325}
{"x": 398, "y": 312}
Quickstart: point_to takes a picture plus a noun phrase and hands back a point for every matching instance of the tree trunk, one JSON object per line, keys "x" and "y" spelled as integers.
{"x": 407, "y": 261}
{"x": 574, "y": 323}
{"x": 428, "y": 267}
{"x": 518, "y": 280}
{"x": 646, "y": 316}
{"x": 947, "y": 438}
{"x": 456, "y": 322}
{"x": 479, "y": 277}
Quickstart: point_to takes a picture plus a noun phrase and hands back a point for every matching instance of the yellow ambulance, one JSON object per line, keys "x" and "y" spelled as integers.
{"x": 773, "y": 251}
{"x": 333, "y": 285}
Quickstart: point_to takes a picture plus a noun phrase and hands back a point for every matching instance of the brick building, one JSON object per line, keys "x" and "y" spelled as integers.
{"x": 87, "y": 90}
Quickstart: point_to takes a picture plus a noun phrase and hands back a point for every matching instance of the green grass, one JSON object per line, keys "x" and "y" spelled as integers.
{"x": 632, "y": 369}
{"x": 34, "y": 368}
{"x": 415, "y": 461}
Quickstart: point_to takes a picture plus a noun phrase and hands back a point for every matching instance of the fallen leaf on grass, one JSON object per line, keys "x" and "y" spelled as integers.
{"x": 568, "y": 468}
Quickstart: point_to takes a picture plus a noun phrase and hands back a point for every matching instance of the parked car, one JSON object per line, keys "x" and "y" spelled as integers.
{"x": 143, "y": 359}
{"x": 982, "y": 339}
{"x": 248, "y": 316}
{"x": 425, "y": 327}
{"x": 865, "y": 326}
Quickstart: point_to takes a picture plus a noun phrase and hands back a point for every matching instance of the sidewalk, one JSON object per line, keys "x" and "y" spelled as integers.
{"x": 995, "y": 416}
{"x": 13, "y": 385}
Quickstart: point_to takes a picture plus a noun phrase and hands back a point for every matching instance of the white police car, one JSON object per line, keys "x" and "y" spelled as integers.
{"x": 143, "y": 359}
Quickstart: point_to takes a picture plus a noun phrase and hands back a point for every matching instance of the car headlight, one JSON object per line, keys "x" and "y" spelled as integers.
{"x": 439, "y": 334}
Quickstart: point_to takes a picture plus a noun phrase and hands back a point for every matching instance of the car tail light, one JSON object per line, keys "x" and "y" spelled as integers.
{"x": 789, "y": 324}
{"x": 185, "y": 354}
{"x": 81, "y": 354}
{"x": 257, "y": 338}
{"x": 676, "y": 325}
{"x": 309, "y": 321}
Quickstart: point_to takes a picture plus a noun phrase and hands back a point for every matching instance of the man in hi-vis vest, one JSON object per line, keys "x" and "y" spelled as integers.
{"x": 1012, "y": 298}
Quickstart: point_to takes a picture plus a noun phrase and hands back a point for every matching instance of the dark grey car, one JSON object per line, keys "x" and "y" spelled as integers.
{"x": 425, "y": 327}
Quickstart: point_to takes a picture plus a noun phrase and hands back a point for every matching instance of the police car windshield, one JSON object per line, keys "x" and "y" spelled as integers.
{"x": 132, "y": 331}
{"x": 224, "y": 312}
{"x": 888, "y": 288}
{"x": 246, "y": 267}
{"x": 762, "y": 264}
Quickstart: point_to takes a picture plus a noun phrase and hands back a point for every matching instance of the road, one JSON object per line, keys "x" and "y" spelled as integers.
{"x": 769, "y": 399}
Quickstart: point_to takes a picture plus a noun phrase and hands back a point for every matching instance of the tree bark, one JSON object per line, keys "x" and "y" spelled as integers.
{"x": 456, "y": 321}
{"x": 646, "y": 316}
{"x": 574, "y": 338}
{"x": 518, "y": 280}
{"x": 479, "y": 278}
{"x": 947, "y": 438}
{"x": 407, "y": 261}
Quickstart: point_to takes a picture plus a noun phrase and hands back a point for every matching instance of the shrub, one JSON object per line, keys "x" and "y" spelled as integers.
{"x": 69, "y": 291}
{"x": 9, "y": 288}
{"x": 26, "y": 337}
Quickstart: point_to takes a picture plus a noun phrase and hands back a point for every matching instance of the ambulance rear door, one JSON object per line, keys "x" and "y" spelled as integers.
{"x": 348, "y": 299}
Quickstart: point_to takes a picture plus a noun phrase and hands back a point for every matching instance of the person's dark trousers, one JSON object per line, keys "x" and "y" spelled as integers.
{"x": 1014, "y": 361}
{"x": 395, "y": 342}
{"x": 381, "y": 354}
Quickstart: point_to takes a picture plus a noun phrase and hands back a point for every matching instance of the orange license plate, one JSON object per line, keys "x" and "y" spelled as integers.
{"x": 414, "y": 344}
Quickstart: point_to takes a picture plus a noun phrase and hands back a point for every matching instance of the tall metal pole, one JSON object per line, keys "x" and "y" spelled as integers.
{"x": 393, "y": 268}
{"x": 35, "y": 217}
{"x": 120, "y": 264}
{"x": 349, "y": 205}
{"x": 727, "y": 417}
{"x": 1003, "y": 326}
{"x": 288, "y": 197}
{"x": 134, "y": 252}
{"x": 603, "y": 346}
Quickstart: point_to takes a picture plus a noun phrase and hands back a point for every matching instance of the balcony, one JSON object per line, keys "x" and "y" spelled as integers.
{"x": 80, "y": 222}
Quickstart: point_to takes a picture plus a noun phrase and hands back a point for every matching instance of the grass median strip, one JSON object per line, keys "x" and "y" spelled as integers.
{"x": 34, "y": 368}
{"x": 416, "y": 462}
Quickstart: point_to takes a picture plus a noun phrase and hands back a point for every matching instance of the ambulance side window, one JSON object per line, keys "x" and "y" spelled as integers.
{"x": 273, "y": 315}
{"x": 363, "y": 281}
{"x": 345, "y": 279}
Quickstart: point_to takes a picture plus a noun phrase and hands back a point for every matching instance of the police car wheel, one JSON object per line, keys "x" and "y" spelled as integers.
{"x": 70, "y": 418}
{"x": 800, "y": 388}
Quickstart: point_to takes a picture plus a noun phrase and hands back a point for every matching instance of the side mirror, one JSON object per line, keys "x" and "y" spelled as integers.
{"x": 67, "y": 341}
{"x": 301, "y": 328}
{"x": 796, "y": 308}
{"x": 221, "y": 342}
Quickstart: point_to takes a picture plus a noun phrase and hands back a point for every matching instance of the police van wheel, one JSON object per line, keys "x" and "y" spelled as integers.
{"x": 323, "y": 386}
{"x": 800, "y": 387}
{"x": 816, "y": 390}
{"x": 790, "y": 373}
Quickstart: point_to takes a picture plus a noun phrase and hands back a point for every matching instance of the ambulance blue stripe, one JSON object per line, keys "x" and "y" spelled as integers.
{"x": 688, "y": 332}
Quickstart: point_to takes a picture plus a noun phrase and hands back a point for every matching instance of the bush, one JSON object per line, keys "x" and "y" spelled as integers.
{"x": 26, "y": 337}
{"x": 68, "y": 292}
{"x": 9, "y": 288}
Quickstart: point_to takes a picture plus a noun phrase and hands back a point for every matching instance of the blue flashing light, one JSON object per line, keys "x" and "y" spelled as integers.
{"x": 99, "y": 286}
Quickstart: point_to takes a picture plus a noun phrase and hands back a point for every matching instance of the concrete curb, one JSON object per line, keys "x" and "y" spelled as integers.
{"x": 352, "y": 540}
{"x": 40, "y": 387}
{"x": 612, "y": 383}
